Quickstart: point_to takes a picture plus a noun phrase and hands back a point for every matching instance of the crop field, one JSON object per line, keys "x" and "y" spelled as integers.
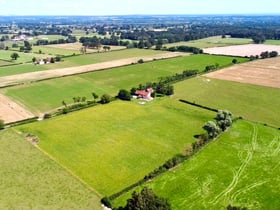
{"x": 240, "y": 168}
{"x": 77, "y": 61}
{"x": 264, "y": 72}
{"x": 46, "y": 95}
{"x": 272, "y": 42}
{"x": 30, "y": 180}
{"x": 242, "y": 50}
{"x": 252, "y": 102}
{"x": 215, "y": 41}
{"x": 117, "y": 144}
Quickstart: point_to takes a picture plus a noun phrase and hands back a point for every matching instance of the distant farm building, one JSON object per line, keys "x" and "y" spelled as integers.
{"x": 145, "y": 94}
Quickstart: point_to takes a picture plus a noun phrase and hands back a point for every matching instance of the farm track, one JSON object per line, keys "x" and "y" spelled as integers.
{"x": 237, "y": 174}
{"x": 50, "y": 74}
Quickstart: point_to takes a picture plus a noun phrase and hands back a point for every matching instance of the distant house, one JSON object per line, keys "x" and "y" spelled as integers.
{"x": 43, "y": 61}
{"x": 145, "y": 94}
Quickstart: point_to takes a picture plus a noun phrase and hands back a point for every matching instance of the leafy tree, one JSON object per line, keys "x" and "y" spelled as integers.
{"x": 33, "y": 59}
{"x": 2, "y": 124}
{"x": 105, "y": 99}
{"x": 146, "y": 200}
{"x": 212, "y": 129}
{"x": 224, "y": 119}
{"x": 234, "y": 61}
{"x": 52, "y": 60}
{"x": 14, "y": 56}
{"x": 273, "y": 54}
{"x": 124, "y": 95}
{"x": 264, "y": 54}
{"x": 94, "y": 95}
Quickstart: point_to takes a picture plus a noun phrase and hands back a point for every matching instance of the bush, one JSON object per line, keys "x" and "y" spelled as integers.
{"x": 124, "y": 95}
{"x": 2, "y": 124}
{"x": 106, "y": 202}
{"x": 105, "y": 99}
{"x": 47, "y": 116}
{"x": 140, "y": 61}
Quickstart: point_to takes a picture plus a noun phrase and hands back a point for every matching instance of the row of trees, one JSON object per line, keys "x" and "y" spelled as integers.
{"x": 69, "y": 39}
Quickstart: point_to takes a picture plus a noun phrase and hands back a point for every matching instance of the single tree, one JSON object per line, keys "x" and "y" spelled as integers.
{"x": 105, "y": 99}
{"x": 212, "y": 129}
{"x": 234, "y": 61}
{"x": 94, "y": 95}
{"x": 124, "y": 95}
{"x": 34, "y": 59}
{"x": 14, "y": 56}
{"x": 224, "y": 119}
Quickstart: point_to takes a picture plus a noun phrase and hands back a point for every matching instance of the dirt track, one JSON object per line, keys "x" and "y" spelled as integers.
{"x": 265, "y": 72}
{"x": 11, "y": 111}
{"x": 35, "y": 76}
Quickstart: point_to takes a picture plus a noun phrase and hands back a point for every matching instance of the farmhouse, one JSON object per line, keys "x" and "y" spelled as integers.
{"x": 145, "y": 94}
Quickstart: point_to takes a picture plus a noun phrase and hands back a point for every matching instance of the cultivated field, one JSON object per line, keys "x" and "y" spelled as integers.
{"x": 47, "y": 95}
{"x": 214, "y": 41}
{"x": 31, "y": 180}
{"x": 242, "y": 50}
{"x": 78, "y": 61}
{"x": 117, "y": 144}
{"x": 11, "y": 111}
{"x": 264, "y": 72}
{"x": 240, "y": 168}
{"x": 36, "y": 76}
{"x": 252, "y": 102}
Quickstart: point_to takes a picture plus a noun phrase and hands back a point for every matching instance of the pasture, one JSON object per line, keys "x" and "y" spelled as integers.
{"x": 240, "y": 168}
{"x": 69, "y": 49}
{"x": 23, "y": 57}
{"x": 47, "y": 95}
{"x": 214, "y": 41}
{"x": 252, "y": 102}
{"x": 115, "y": 145}
{"x": 77, "y": 61}
{"x": 264, "y": 72}
{"x": 30, "y": 180}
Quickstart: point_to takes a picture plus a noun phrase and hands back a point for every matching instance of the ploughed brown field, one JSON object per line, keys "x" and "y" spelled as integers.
{"x": 265, "y": 72}
{"x": 242, "y": 50}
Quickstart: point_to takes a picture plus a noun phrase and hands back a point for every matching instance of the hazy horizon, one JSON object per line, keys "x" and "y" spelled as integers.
{"x": 143, "y": 7}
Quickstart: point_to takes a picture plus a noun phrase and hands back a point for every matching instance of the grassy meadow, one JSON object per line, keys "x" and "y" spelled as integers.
{"x": 252, "y": 102}
{"x": 115, "y": 145}
{"x": 214, "y": 41}
{"x": 30, "y": 180}
{"x": 47, "y": 95}
{"x": 240, "y": 168}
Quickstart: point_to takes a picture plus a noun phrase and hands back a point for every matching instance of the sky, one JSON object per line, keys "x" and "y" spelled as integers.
{"x": 131, "y": 7}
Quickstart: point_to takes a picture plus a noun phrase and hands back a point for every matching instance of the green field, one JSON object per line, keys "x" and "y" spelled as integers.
{"x": 77, "y": 60}
{"x": 272, "y": 42}
{"x": 115, "y": 145}
{"x": 23, "y": 57}
{"x": 48, "y": 49}
{"x": 252, "y": 102}
{"x": 214, "y": 41}
{"x": 46, "y": 95}
{"x": 30, "y": 180}
{"x": 240, "y": 168}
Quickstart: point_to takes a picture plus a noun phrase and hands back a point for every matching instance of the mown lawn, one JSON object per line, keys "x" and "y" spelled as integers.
{"x": 46, "y": 95}
{"x": 252, "y": 102}
{"x": 112, "y": 146}
{"x": 30, "y": 180}
{"x": 240, "y": 168}
{"x": 214, "y": 41}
